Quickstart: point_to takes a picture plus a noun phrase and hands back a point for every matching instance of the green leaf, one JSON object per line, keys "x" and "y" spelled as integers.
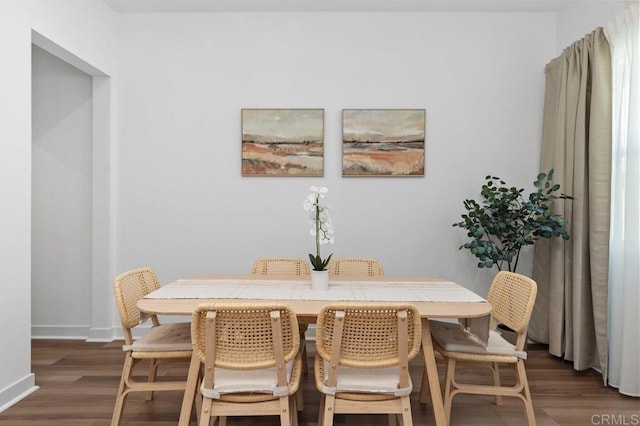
{"x": 479, "y": 232}
{"x": 506, "y": 219}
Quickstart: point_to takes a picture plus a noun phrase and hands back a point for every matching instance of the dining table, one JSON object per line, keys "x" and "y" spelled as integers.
{"x": 434, "y": 298}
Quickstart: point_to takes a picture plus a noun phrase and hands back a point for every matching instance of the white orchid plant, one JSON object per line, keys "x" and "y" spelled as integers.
{"x": 321, "y": 229}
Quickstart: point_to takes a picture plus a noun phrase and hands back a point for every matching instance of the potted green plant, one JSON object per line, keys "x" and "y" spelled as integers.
{"x": 505, "y": 221}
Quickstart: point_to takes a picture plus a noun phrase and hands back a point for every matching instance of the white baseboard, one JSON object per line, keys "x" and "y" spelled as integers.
{"x": 103, "y": 334}
{"x": 17, "y": 391}
{"x": 83, "y": 333}
{"x": 73, "y": 332}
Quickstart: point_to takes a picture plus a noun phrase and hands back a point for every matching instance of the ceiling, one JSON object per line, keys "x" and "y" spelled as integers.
{"x": 145, "y": 6}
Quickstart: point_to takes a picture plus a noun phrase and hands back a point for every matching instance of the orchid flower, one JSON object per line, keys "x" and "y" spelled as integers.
{"x": 322, "y": 228}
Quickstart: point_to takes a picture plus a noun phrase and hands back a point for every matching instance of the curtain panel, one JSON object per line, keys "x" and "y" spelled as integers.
{"x": 624, "y": 266}
{"x": 570, "y": 313}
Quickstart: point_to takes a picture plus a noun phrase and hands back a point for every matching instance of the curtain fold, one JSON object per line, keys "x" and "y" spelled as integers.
{"x": 624, "y": 277}
{"x": 571, "y": 308}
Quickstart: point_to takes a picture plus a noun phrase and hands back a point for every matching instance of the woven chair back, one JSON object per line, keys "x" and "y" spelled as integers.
{"x": 355, "y": 267}
{"x": 280, "y": 266}
{"x": 129, "y": 287}
{"x": 369, "y": 334}
{"x": 512, "y": 297}
{"x": 244, "y": 335}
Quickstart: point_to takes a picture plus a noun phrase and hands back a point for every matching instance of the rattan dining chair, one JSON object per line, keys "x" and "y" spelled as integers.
{"x": 361, "y": 365}
{"x": 162, "y": 343}
{"x": 512, "y": 297}
{"x": 251, "y": 358}
{"x": 286, "y": 267}
{"x": 270, "y": 266}
{"x": 355, "y": 267}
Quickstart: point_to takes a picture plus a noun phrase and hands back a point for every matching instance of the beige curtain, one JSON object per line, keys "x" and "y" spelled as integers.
{"x": 571, "y": 309}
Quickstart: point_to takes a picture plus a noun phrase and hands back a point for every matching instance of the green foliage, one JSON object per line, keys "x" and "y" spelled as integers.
{"x": 506, "y": 221}
{"x": 317, "y": 262}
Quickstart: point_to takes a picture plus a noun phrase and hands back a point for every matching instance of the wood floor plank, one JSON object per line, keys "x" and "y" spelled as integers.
{"x": 78, "y": 382}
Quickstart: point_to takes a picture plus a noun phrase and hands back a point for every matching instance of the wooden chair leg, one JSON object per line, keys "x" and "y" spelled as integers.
{"x": 407, "y": 419}
{"x": 198, "y": 396}
{"x": 329, "y": 405}
{"x": 205, "y": 415}
{"x": 528, "y": 404}
{"x": 122, "y": 395}
{"x": 299, "y": 399}
{"x": 285, "y": 411}
{"x": 153, "y": 375}
{"x": 192, "y": 392}
{"x": 305, "y": 366}
{"x": 424, "y": 387}
{"x": 496, "y": 380}
{"x": 449, "y": 379}
{"x": 321, "y": 410}
{"x": 293, "y": 411}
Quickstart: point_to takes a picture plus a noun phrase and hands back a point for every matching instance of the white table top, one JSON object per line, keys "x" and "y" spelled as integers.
{"x": 390, "y": 290}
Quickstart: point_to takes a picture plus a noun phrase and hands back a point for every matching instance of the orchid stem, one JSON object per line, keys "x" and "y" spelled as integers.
{"x": 318, "y": 226}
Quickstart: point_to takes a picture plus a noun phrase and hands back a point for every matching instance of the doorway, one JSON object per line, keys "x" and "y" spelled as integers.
{"x": 61, "y": 125}
{"x": 71, "y": 258}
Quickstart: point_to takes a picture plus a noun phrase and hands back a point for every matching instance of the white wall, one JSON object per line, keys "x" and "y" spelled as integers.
{"x": 84, "y": 29}
{"x": 577, "y": 18}
{"x": 61, "y": 198}
{"x": 183, "y": 207}
{"x": 15, "y": 197}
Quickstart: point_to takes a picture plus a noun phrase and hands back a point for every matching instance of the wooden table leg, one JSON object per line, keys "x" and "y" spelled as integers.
{"x": 190, "y": 391}
{"x": 432, "y": 374}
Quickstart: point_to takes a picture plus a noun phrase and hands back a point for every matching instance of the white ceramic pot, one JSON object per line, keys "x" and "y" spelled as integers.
{"x": 319, "y": 280}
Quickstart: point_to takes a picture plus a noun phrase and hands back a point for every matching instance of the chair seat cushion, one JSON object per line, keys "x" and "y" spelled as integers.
{"x": 264, "y": 380}
{"x": 454, "y": 338}
{"x": 366, "y": 380}
{"x": 164, "y": 337}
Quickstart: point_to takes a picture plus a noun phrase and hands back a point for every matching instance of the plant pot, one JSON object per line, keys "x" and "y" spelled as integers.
{"x": 320, "y": 280}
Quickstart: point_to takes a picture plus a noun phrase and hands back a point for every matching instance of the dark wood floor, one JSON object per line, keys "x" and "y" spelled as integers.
{"x": 78, "y": 382}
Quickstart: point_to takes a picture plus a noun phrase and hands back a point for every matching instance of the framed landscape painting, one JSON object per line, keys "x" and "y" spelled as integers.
{"x": 383, "y": 142}
{"x": 282, "y": 142}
